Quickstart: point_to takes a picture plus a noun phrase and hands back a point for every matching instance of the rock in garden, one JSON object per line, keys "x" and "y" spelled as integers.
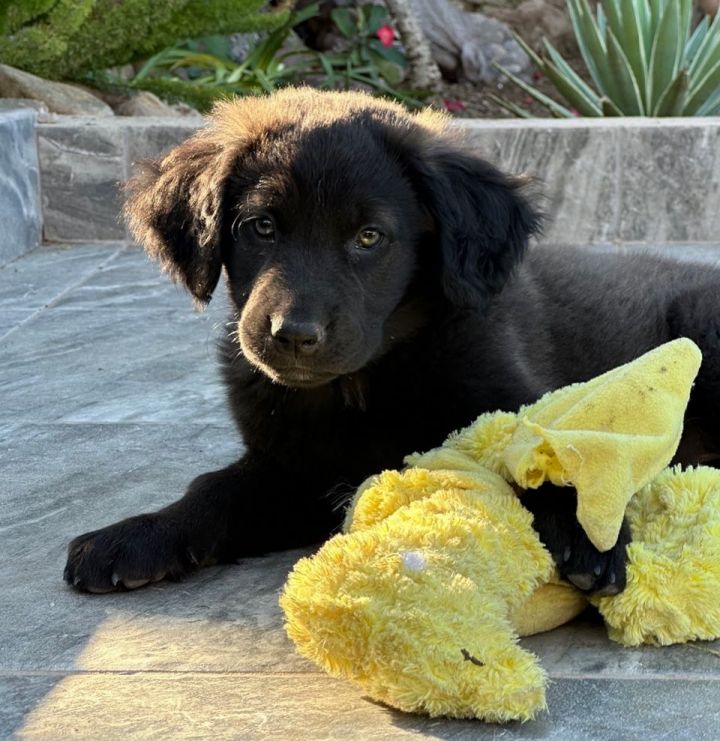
{"x": 466, "y": 45}
{"x": 534, "y": 20}
{"x": 59, "y": 97}
{"x": 144, "y": 103}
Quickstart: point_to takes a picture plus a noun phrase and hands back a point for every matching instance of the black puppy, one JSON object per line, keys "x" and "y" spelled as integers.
{"x": 370, "y": 265}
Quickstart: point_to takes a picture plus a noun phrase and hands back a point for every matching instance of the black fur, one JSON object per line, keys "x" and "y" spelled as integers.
{"x": 343, "y": 359}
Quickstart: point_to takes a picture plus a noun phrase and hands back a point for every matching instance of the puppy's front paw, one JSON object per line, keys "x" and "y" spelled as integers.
{"x": 128, "y": 555}
{"x": 578, "y": 560}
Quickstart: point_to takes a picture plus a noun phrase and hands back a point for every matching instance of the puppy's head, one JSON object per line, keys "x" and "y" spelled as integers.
{"x": 332, "y": 213}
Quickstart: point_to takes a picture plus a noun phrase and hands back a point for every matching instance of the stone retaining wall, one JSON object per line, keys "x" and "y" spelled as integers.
{"x": 606, "y": 181}
{"x": 20, "y": 215}
{"x": 615, "y": 180}
{"x": 83, "y": 162}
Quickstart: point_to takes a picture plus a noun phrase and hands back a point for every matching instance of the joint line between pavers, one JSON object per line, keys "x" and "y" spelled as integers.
{"x": 54, "y": 301}
{"x": 648, "y": 676}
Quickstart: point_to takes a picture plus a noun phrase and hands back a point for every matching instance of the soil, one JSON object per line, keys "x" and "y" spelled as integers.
{"x": 533, "y": 20}
{"x": 468, "y": 100}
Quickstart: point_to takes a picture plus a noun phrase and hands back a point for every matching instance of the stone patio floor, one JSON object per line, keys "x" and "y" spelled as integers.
{"x": 110, "y": 403}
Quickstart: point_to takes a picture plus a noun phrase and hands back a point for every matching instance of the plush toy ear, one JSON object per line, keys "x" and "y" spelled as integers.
{"x": 482, "y": 219}
{"x": 174, "y": 209}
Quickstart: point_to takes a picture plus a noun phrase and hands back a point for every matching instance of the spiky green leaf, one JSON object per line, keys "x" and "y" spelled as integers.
{"x": 706, "y": 87}
{"x": 644, "y": 19}
{"x": 622, "y": 87}
{"x": 708, "y": 54}
{"x": 711, "y": 106}
{"x": 509, "y": 106}
{"x": 573, "y": 94}
{"x": 534, "y": 58}
{"x": 609, "y": 108}
{"x": 590, "y": 42}
{"x": 672, "y": 101}
{"x": 570, "y": 73}
{"x": 612, "y": 11}
{"x": 626, "y": 27}
{"x": 664, "y": 55}
{"x": 657, "y": 8}
{"x": 694, "y": 42}
{"x": 686, "y": 12}
{"x": 553, "y": 106}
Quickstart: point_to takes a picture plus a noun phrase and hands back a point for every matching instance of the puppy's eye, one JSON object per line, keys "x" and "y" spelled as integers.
{"x": 368, "y": 238}
{"x": 264, "y": 227}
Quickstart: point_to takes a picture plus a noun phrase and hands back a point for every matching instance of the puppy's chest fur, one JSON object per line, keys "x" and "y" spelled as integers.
{"x": 355, "y": 425}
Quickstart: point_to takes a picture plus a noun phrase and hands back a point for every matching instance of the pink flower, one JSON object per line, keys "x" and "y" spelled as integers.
{"x": 453, "y": 105}
{"x": 386, "y": 34}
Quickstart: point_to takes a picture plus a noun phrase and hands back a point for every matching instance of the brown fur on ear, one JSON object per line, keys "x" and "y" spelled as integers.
{"x": 174, "y": 209}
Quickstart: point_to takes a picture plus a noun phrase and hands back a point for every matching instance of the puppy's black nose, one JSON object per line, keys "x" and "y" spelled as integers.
{"x": 301, "y": 338}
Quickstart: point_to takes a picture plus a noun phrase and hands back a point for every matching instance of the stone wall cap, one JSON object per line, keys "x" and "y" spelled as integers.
{"x": 624, "y": 122}
{"x": 471, "y": 124}
{"x": 118, "y": 122}
{"x": 17, "y": 114}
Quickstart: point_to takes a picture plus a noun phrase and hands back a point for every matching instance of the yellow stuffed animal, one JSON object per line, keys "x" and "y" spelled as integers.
{"x": 421, "y": 601}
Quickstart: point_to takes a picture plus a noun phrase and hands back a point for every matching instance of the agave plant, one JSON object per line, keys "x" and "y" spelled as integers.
{"x": 643, "y": 60}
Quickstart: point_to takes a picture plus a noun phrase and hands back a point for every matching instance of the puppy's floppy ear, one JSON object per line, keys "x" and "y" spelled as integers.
{"x": 482, "y": 218}
{"x": 174, "y": 209}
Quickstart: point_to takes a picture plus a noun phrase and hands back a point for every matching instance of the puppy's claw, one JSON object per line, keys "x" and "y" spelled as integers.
{"x": 581, "y": 581}
{"x": 99, "y": 590}
{"x": 608, "y": 590}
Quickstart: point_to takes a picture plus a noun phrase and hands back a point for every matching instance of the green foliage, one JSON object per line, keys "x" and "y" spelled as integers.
{"x": 263, "y": 70}
{"x": 69, "y": 38}
{"x": 365, "y": 60}
{"x": 173, "y": 90}
{"x": 204, "y": 64}
{"x": 39, "y": 36}
{"x": 13, "y": 15}
{"x": 642, "y": 58}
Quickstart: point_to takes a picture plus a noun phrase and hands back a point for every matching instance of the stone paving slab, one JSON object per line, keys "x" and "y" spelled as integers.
{"x": 38, "y": 280}
{"x": 102, "y": 299}
{"x": 106, "y": 378}
{"x": 288, "y": 706}
{"x": 101, "y": 416}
